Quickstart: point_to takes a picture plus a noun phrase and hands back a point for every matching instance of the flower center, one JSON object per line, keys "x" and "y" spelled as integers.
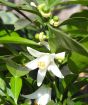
{"x": 35, "y": 102}
{"x": 41, "y": 65}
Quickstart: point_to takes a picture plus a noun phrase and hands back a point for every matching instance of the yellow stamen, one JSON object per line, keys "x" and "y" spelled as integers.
{"x": 41, "y": 65}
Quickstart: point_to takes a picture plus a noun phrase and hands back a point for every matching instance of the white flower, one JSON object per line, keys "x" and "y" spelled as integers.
{"x": 42, "y": 96}
{"x": 44, "y": 62}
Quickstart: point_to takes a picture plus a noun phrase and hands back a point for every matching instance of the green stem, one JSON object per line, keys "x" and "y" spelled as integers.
{"x": 19, "y": 7}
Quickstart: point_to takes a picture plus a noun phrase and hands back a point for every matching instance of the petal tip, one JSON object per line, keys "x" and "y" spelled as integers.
{"x": 39, "y": 84}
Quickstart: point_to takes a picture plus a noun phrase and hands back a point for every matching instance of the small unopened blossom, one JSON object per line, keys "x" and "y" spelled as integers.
{"x": 41, "y": 36}
{"x": 44, "y": 62}
{"x": 60, "y": 56}
{"x": 44, "y": 10}
{"x": 33, "y": 4}
{"x": 42, "y": 96}
{"x": 55, "y": 21}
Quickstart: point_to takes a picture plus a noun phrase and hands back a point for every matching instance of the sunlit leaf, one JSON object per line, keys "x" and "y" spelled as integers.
{"x": 16, "y": 85}
{"x": 58, "y": 40}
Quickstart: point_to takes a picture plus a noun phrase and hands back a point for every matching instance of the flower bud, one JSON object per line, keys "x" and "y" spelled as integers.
{"x": 55, "y": 21}
{"x": 33, "y": 4}
{"x": 44, "y": 10}
{"x": 40, "y": 36}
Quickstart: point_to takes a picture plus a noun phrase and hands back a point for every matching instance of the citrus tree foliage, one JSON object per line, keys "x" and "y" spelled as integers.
{"x": 41, "y": 57}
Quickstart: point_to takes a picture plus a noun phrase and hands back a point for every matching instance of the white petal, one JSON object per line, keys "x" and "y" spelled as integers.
{"x": 40, "y": 76}
{"x": 45, "y": 44}
{"x": 45, "y": 96}
{"x": 44, "y": 99}
{"x": 34, "y": 52}
{"x": 32, "y": 64}
{"x": 60, "y": 55}
{"x": 39, "y": 93}
{"x": 55, "y": 70}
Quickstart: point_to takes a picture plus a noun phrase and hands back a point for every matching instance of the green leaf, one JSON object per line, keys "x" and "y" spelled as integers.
{"x": 58, "y": 40}
{"x": 78, "y": 103}
{"x": 8, "y": 17}
{"x": 52, "y": 103}
{"x": 77, "y": 62}
{"x": 16, "y": 69}
{"x": 76, "y": 86}
{"x": 14, "y": 38}
{"x": 40, "y": 1}
{"x": 85, "y": 42}
{"x": 16, "y": 85}
{"x": 83, "y": 2}
{"x": 69, "y": 102}
{"x": 79, "y": 22}
{"x": 52, "y": 3}
{"x": 2, "y": 87}
{"x": 21, "y": 23}
{"x": 2, "y": 84}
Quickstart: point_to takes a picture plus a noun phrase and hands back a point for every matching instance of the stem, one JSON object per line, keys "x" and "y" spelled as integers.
{"x": 24, "y": 15}
{"x": 19, "y": 7}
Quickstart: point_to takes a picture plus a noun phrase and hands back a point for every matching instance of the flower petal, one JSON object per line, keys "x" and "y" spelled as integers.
{"x": 60, "y": 55}
{"x": 43, "y": 90}
{"x": 44, "y": 99}
{"x": 32, "y": 64}
{"x": 34, "y": 52}
{"x": 45, "y": 44}
{"x": 40, "y": 76}
{"x": 55, "y": 70}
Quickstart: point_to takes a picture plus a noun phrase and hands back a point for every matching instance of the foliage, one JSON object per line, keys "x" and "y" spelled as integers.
{"x": 45, "y": 33}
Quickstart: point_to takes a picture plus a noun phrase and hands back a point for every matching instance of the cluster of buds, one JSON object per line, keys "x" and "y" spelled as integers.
{"x": 54, "y": 21}
{"x": 43, "y": 9}
{"x": 41, "y": 36}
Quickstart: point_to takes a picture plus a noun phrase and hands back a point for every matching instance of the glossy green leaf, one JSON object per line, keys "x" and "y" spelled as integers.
{"x": 16, "y": 85}
{"x": 15, "y": 38}
{"x": 77, "y": 62}
{"x": 15, "y": 69}
{"x": 58, "y": 40}
{"x": 76, "y": 21}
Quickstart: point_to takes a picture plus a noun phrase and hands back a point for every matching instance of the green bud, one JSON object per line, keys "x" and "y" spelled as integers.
{"x": 37, "y": 36}
{"x": 55, "y": 18}
{"x": 45, "y": 9}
